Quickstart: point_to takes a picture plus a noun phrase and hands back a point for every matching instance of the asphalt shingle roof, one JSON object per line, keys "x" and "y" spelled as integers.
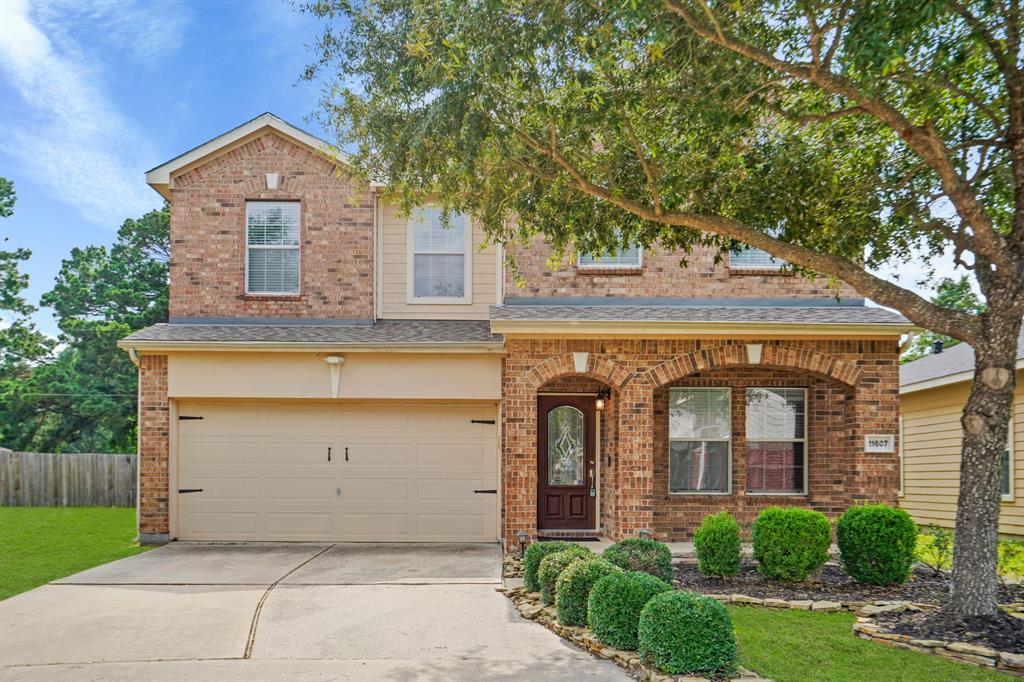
{"x": 382, "y": 332}
{"x": 684, "y": 313}
{"x": 959, "y": 358}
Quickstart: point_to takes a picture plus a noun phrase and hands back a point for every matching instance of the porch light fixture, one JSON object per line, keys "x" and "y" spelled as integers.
{"x": 603, "y": 395}
{"x": 335, "y": 364}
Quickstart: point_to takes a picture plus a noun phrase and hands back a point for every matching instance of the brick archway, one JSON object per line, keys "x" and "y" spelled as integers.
{"x": 599, "y": 367}
{"x": 772, "y": 356}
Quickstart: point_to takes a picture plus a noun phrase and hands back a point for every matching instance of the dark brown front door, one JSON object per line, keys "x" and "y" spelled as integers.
{"x": 566, "y": 488}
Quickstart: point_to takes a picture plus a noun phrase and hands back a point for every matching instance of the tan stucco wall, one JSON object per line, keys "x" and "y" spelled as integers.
{"x": 394, "y": 261}
{"x": 364, "y": 376}
{"x": 931, "y": 456}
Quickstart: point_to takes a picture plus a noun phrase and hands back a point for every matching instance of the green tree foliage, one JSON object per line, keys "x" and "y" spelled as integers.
{"x": 840, "y": 136}
{"x": 955, "y": 294}
{"x": 84, "y": 399}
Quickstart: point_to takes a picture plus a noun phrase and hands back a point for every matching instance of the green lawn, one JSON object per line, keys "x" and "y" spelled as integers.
{"x": 793, "y": 646}
{"x": 40, "y": 544}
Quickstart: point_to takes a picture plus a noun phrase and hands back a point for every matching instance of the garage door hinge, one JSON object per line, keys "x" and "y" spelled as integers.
{"x": 185, "y": 417}
{"x": 491, "y": 491}
{"x": 472, "y": 421}
{"x": 182, "y": 491}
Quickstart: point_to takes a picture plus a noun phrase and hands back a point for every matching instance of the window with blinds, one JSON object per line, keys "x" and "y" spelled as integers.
{"x": 776, "y": 440}
{"x": 272, "y": 247}
{"x": 439, "y": 258}
{"x": 700, "y": 432}
{"x": 750, "y": 258}
{"x": 626, "y": 257}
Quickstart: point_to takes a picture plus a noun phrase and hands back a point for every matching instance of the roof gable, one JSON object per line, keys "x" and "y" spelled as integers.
{"x": 159, "y": 178}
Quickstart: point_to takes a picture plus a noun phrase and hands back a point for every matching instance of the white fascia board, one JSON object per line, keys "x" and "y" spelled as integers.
{"x": 947, "y": 380}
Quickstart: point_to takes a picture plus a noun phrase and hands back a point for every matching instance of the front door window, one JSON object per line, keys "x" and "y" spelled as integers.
{"x": 565, "y": 446}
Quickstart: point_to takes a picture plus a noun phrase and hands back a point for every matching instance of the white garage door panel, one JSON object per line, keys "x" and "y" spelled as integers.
{"x": 410, "y": 474}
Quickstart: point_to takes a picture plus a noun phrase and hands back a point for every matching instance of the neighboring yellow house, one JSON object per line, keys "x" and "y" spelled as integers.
{"x": 933, "y": 391}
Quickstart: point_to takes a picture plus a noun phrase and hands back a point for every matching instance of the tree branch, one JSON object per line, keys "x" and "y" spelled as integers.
{"x": 923, "y": 140}
{"x": 649, "y": 171}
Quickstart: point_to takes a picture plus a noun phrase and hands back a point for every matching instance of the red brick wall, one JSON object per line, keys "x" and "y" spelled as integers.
{"x": 660, "y": 276}
{"x": 852, "y": 390}
{"x": 154, "y": 444}
{"x": 207, "y": 265}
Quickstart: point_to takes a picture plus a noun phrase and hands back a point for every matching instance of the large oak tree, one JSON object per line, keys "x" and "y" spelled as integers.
{"x": 840, "y": 136}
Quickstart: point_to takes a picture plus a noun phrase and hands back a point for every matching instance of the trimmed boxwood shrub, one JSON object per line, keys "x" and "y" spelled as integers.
{"x": 535, "y": 553}
{"x": 552, "y": 566}
{"x": 717, "y": 542}
{"x": 641, "y": 554}
{"x": 683, "y": 633}
{"x": 616, "y": 600}
{"x": 790, "y": 543}
{"x": 574, "y": 585}
{"x": 876, "y": 543}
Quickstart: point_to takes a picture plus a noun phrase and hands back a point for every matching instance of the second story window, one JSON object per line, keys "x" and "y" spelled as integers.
{"x": 272, "y": 247}
{"x": 751, "y": 258}
{"x": 439, "y": 257}
{"x": 630, "y": 257}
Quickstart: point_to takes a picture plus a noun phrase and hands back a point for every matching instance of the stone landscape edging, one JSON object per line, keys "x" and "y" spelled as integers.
{"x": 530, "y": 607}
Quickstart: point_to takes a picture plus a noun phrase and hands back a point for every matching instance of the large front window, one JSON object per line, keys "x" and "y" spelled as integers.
{"x": 439, "y": 257}
{"x": 776, "y": 440}
{"x": 699, "y": 439}
{"x": 272, "y": 247}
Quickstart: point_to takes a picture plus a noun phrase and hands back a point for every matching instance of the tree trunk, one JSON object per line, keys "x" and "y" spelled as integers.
{"x": 985, "y": 419}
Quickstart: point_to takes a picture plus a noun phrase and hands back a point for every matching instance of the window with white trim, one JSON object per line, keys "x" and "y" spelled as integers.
{"x": 439, "y": 257}
{"x": 1007, "y": 490}
{"x": 628, "y": 257}
{"x": 272, "y": 259}
{"x": 700, "y": 430}
{"x": 753, "y": 258}
{"x": 776, "y": 441}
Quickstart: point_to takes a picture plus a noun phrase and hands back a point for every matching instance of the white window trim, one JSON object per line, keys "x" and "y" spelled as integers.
{"x": 728, "y": 490}
{"x": 1009, "y": 497}
{"x": 902, "y": 463}
{"x": 272, "y": 247}
{"x": 804, "y": 440}
{"x": 777, "y": 265}
{"x": 597, "y": 265}
{"x": 410, "y": 268}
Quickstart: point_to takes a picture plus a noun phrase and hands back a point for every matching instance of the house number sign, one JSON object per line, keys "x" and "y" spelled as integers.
{"x": 879, "y": 443}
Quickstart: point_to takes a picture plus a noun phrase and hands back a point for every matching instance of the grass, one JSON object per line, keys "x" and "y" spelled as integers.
{"x": 798, "y": 646}
{"x": 40, "y": 544}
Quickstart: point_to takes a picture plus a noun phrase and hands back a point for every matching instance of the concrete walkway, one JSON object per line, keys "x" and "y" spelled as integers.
{"x": 285, "y": 611}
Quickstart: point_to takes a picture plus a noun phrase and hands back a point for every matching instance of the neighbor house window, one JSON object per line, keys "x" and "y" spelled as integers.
{"x": 272, "y": 247}
{"x": 1007, "y": 468}
{"x": 439, "y": 257}
{"x": 776, "y": 440}
{"x": 626, "y": 257}
{"x": 699, "y": 440}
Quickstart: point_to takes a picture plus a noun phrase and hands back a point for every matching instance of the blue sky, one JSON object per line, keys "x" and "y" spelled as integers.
{"x": 95, "y": 92}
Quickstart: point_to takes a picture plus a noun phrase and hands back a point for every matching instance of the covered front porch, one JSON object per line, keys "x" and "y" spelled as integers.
{"x": 620, "y": 437}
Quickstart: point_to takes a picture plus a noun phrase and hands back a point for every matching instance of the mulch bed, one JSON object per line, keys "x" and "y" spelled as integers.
{"x": 1002, "y": 632}
{"x": 831, "y": 584}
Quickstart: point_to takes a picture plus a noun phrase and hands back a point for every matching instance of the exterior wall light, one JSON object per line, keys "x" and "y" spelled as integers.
{"x": 522, "y": 536}
{"x": 602, "y": 397}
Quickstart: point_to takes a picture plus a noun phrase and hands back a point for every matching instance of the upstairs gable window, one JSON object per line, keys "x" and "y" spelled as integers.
{"x": 272, "y": 247}
{"x": 439, "y": 257}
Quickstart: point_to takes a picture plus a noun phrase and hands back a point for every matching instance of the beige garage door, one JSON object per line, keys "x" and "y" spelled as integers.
{"x": 394, "y": 473}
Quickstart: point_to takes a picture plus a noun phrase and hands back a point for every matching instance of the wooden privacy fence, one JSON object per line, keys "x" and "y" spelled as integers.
{"x": 43, "y": 479}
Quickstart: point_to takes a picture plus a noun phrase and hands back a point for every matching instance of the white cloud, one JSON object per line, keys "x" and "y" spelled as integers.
{"x": 68, "y": 135}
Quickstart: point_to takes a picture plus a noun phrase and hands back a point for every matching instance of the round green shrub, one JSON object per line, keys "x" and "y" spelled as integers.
{"x": 876, "y": 543}
{"x": 684, "y": 633}
{"x": 641, "y": 554}
{"x": 790, "y": 543}
{"x": 717, "y": 542}
{"x": 574, "y": 585}
{"x": 552, "y": 566}
{"x": 615, "y": 603}
{"x": 535, "y": 553}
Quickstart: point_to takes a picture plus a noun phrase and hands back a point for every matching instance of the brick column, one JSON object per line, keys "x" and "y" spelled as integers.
{"x": 519, "y": 461}
{"x": 875, "y": 410}
{"x": 635, "y": 470}
{"x": 154, "y": 449}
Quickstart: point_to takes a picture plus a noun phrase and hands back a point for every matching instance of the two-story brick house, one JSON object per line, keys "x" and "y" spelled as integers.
{"x": 334, "y": 370}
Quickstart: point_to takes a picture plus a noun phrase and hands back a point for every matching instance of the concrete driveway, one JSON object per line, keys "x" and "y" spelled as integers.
{"x": 285, "y": 611}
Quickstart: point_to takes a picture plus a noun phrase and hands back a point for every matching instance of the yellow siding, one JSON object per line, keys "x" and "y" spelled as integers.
{"x": 394, "y": 267}
{"x": 931, "y": 456}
